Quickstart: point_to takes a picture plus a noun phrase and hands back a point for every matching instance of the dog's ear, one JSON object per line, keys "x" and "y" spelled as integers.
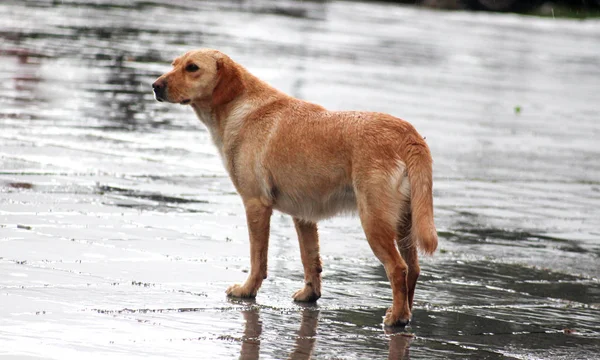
{"x": 229, "y": 83}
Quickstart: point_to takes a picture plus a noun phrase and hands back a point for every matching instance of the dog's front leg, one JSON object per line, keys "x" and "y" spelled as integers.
{"x": 309, "y": 250}
{"x": 258, "y": 217}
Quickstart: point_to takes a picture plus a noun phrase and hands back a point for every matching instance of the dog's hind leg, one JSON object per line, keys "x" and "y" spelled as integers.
{"x": 408, "y": 250}
{"x": 311, "y": 260}
{"x": 378, "y": 210}
{"x": 258, "y": 217}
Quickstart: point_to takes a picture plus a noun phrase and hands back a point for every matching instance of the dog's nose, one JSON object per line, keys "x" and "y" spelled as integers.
{"x": 159, "y": 87}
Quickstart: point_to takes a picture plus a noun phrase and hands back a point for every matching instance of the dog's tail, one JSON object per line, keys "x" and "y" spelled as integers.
{"x": 419, "y": 166}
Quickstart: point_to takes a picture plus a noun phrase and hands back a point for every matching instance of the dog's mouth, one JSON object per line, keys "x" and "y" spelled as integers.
{"x": 185, "y": 102}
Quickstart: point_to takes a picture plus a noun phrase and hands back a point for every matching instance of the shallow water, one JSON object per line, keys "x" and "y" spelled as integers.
{"x": 120, "y": 231}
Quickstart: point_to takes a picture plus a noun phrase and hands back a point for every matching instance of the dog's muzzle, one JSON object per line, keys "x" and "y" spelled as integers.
{"x": 160, "y": 90}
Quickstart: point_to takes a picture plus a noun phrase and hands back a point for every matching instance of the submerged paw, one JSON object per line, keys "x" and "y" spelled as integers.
{"x": 306, "y": 294}
{"x": 239, "y": 291}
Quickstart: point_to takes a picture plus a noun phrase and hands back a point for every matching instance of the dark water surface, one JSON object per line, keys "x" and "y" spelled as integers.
{"x": 120, "y": 231}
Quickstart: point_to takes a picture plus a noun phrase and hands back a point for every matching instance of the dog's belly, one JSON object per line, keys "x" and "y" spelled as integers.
{"x": 313, "y": 207}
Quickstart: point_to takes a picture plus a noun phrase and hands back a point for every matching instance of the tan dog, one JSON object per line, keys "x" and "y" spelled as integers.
{"x": 290, "y": 155}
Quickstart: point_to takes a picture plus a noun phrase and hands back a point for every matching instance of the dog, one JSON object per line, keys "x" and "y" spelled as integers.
{"x": 296, "y": 157}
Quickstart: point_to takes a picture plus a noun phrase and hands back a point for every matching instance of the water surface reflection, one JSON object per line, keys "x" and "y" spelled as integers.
{"x": 125, "y": 230}
{"x": 304, "y": 339}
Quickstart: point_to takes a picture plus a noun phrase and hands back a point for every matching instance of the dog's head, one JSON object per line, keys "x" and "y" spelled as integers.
{"x": 204, "y": 75}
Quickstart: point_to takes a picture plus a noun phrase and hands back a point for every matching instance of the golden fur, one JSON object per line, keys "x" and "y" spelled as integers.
{"x": 290, "y": 155}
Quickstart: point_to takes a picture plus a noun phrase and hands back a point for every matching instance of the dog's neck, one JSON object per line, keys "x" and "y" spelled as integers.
{"x": 216, "y": 118}
{"x": 207, "y": 116}
{"x": 225, "y": 119}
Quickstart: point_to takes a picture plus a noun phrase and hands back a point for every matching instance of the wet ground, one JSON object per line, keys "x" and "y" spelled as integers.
{"x": 120, "y": 231}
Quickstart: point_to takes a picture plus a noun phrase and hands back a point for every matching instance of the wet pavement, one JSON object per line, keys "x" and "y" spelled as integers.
{"x": 120, "y": 231}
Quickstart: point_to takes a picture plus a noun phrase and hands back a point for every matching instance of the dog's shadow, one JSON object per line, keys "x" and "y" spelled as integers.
{"x": 306, "y": 337}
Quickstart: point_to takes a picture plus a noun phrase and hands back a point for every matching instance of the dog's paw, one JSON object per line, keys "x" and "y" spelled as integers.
{"x": 306, "y": 294}
{"x": 240, "y": 291}
{"x": 396, "y": 319}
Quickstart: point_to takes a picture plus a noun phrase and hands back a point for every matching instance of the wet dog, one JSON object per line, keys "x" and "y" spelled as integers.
{"x": 290, "y": 155}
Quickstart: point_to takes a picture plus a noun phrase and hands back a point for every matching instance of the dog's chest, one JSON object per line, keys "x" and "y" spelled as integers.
{"x": 225, "y": 135}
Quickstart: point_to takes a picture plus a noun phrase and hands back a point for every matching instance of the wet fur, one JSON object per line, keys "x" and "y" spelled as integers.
{"x": 290, "y": 155}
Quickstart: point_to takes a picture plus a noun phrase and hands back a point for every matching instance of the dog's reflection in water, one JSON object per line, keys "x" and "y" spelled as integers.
{"x": 306, "y": 337}
{"x": 252, "y": 332}
{"x": 399, "y": 344}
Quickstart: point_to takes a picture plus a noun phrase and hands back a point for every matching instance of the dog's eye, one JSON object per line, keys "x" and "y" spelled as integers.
{"x": 192, "y": 68}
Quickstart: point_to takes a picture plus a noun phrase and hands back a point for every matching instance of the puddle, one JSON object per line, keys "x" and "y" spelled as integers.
{"x": 120, "y": 231}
